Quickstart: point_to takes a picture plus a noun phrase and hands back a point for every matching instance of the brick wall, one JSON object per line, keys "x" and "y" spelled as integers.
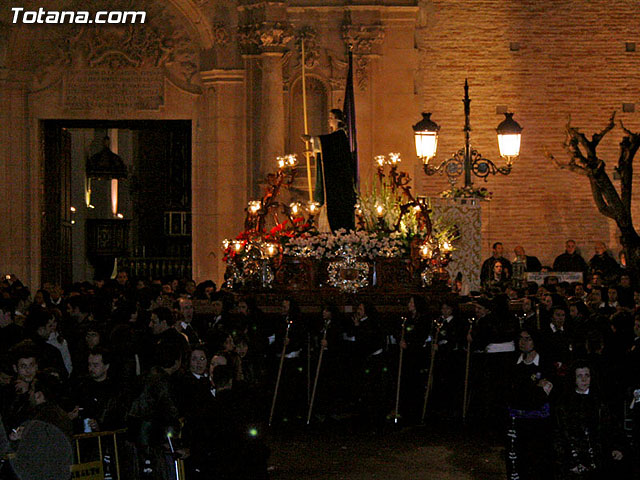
{"x": 571, "y": 60}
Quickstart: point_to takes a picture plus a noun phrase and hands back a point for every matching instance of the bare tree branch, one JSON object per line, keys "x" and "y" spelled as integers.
{"x": 634, "y": 136}
{"x": 571, "y": 165}
{"x": 628, "y": 148}
{"x": 599, "y": 200}
{"x": 595, "y": 139}
{"x": 583, "y": 159}
{"x": 576, "y": 142}
{"x": 571, "y": 145}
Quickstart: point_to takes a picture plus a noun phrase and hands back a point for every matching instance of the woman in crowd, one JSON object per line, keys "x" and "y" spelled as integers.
{"x": 528, "y": 402}
{"x": 587, "y": 442}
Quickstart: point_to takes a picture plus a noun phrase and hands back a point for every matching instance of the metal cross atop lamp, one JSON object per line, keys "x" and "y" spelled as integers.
{"x": 467, "y": 160}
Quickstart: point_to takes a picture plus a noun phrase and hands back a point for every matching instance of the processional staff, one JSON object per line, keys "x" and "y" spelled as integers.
{"x": 434, "y": 347}
{"x": 396, "y": 415}
{"x": 307, "y": 152}
{"x": 284, "y": 348}
{"x": 315, "y": 382}
{"x": 466, "y": 370}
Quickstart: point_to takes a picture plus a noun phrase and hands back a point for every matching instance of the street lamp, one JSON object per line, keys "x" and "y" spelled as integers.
{"x": 467, "y": 160}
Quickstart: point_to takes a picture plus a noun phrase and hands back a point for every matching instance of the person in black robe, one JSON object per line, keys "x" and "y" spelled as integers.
{"x": 588, "y": 441}
{"x": 527, "y": 395}
{"x": 335, "y": 174}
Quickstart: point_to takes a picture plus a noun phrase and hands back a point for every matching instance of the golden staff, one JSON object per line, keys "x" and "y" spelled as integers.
{"x": 284, "y": 348}
{"x": 466, "y": 371}
{"x": 396, "y": 416}
{"x": 434, "y": 347}
{"x": 315, "y": 382}
{"x": 307, "y": 152}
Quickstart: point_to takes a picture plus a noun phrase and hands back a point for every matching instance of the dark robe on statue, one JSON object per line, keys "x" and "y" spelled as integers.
{"x": 335, "y": 173}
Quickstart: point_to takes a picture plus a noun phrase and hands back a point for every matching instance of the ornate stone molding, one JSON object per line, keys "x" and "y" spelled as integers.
{"x": 265, "y": 36}
{"x": 311, "y": 47}
{"x": 337, "y": 72}
{"x": 218, "y": 76}
{"x": 221, "y": 34}
{"x": 363, "y": 41}
{"x": 362, "y": 38}
{"x": 164, "y": 42}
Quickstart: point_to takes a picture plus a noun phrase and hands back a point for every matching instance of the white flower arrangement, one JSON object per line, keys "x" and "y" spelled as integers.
{"x": 359, "y": 244}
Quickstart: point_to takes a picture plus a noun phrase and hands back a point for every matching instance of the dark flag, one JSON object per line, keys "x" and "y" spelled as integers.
{"x": 349, "y": 109}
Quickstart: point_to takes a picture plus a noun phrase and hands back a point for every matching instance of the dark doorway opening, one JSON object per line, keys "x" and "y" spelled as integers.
{"x": 92, "y": 226}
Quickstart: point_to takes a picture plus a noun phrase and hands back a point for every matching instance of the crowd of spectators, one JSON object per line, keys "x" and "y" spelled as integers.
{"x": 569, "y": 388}
{"x": 191, "y": 372}
{"x": 115, "y": 356}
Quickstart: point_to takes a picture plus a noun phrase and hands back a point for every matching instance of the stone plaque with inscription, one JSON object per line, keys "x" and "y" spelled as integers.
{"x": 113, "y": 91}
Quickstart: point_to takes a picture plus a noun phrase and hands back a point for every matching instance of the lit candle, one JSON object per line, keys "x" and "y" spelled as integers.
{"x": 380, "y": 160}
{"x": 254, "y": 206}
{"x": 425, "y": 251}
{"x": 379, "y": 210}
{"x": 237, "y": 245}
{"x": 292, "y": 160}
{"x": 281, "y": 162}
{"x": 313, "y": 208}
{"x": 271, "y": 249}
{"x": 295, "y": 208}
{"x": 394, "y": 158}
{"x": 114, "y": 196}
{"x": 225, "y": 243}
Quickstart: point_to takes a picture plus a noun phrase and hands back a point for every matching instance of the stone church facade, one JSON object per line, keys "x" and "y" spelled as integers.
{"x": 233, "y": 69}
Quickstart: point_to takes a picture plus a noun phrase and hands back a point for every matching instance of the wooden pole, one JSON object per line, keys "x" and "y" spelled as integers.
{"x": 275, "y": 393}
{"x": 307, "y": 152}
{"x": 115, "y": 450}
{"x": 466, "y": 372}
{"x": 396, "y": 415}
{"x": 308, "y": 368}
{"x": 315, "y": 382}
{"x": 434, "y": 348}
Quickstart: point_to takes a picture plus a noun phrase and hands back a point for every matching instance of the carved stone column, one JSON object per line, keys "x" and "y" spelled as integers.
{"x": 272, "y": 115}
{"x": 264, "y": 37}
{"x": 20, "y": 235}
{"x": 220, "y": 191}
